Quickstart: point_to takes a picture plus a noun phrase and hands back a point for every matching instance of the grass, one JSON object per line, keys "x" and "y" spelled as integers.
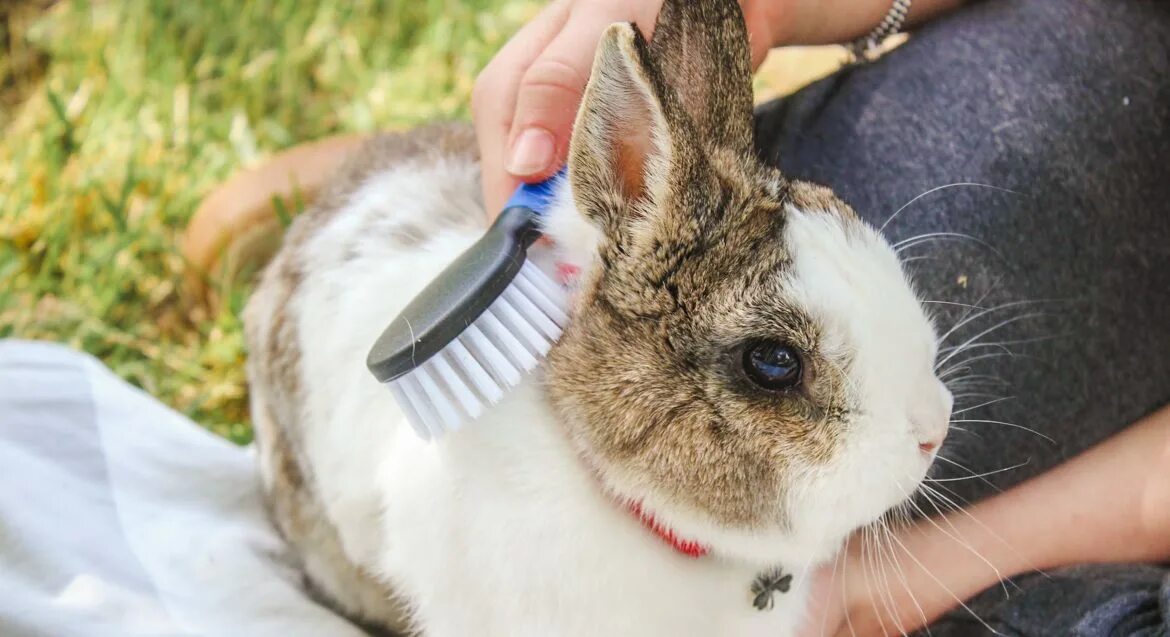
{"x": 118, "y": 117}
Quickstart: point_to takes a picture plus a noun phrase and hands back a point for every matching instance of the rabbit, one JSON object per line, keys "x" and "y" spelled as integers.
{"x": 746, "y": 376}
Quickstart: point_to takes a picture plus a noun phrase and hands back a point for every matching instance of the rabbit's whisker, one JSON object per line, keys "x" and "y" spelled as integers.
{"x": 961, "y": 366}
{"x": 964, "y": 365}
{"x": 887, "y": 554}
{"x": 901, "y": 515}
{"x": 955, "y": 303}
{"x": 906, "y": 244}
{"x": 977, "y": 395}
{"x": 985, "y": 403}
{"x": 866, "y": 575}
{"x": 870, "y": 553}
{"x": 832, "y": 580}
{"x": 845, "y": 586}
{"x": 943, "y": 586}
{"x": 967, "y": 392}
{"x": 972, "y": 380}
{"x": 980, "y": 314}
{"x": 955, "y": 535}
{"x": 1008, "y": 424}
{"x": 1003, "y": 344}
{"x": 978, "y": 304}
{"x": 931, "y": 493}
{"x": 998, "y": 326}
{"x": 969, "y": 471}
{"x": 978, "y": 475}
{"x": 938, "y": 188}
{"x": 997, "y": 344}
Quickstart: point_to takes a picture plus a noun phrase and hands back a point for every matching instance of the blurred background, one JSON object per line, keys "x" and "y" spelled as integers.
{"x": 118, "y": 117}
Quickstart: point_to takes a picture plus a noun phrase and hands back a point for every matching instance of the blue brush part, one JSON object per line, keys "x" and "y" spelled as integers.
{"x": 536, "y": 197}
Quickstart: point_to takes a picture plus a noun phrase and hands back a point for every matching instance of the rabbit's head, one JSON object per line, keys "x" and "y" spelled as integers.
{"x": 746, "y": 358}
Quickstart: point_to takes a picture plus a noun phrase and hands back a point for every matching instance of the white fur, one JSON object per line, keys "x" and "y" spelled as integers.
{"x": 498, "y": 529}
{"x": 849, "y": 279}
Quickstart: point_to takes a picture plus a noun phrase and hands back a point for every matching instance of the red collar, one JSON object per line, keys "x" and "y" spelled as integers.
{"x": 690, "y": 548}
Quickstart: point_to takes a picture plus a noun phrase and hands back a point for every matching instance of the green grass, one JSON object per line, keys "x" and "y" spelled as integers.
{"x": 118, "y": 117}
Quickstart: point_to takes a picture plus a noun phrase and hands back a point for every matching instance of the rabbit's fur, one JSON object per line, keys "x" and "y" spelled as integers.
{"x": 688, "y": 249}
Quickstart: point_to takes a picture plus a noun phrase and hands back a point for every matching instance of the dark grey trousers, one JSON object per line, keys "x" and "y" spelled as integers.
{"x": 1060, "y": 111}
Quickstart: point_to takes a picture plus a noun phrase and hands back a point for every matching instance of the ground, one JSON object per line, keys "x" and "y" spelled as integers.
{"x": 118, "y": 117}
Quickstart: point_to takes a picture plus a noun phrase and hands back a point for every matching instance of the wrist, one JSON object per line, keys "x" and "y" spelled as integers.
{"x": 813, "y": 22}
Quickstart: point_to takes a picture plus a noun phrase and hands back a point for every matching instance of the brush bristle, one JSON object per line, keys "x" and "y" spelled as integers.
{"x": 490, "y": 357}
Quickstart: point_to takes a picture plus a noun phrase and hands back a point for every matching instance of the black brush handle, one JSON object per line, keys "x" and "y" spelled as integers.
{"x": 458, "y": 296}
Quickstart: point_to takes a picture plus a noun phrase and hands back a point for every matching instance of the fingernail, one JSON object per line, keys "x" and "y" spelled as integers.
{"x": 532, "y": 153}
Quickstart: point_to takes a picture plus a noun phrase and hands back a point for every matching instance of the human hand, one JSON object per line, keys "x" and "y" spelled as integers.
{"x": 526, "y": 98}
{"x": 856, "y": 596}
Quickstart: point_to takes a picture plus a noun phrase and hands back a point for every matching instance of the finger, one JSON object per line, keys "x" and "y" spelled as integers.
{"x": 551, "y": 89}
{"x": 759, "y": 18}
{"x": 493, "y": 101}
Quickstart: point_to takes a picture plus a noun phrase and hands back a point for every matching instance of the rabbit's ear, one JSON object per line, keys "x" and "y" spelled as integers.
{"x": 631, "y": 142}
{"x": 701, "y": 48}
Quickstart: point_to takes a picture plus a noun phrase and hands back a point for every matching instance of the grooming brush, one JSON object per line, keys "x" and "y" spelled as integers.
{"x": 473, "y": 332}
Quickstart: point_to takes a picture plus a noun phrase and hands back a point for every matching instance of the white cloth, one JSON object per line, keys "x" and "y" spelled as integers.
{"x": 120, "y": 517}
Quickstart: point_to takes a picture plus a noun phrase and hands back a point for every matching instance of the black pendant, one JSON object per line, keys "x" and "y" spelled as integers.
{"x": 765, "y": 586}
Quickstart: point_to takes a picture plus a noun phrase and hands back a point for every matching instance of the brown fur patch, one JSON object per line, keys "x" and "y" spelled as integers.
{"x": 816, "y": 198}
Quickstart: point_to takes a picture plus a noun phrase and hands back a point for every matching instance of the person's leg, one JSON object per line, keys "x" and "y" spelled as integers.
{"x": 1060, "y": 111}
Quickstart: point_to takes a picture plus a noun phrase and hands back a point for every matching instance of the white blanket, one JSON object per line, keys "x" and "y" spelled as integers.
{"x": 120, "y": 517}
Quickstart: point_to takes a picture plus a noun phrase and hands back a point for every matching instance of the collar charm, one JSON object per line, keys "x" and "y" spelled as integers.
{"x": 766, "y": 585}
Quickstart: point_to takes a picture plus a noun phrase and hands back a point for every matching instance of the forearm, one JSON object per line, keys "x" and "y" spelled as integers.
{"x": 794, "y": 22}
{"x": 1110, "y": 504}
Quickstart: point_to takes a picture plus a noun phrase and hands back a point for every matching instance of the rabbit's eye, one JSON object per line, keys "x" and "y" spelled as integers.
{"x": 772, "y": 365}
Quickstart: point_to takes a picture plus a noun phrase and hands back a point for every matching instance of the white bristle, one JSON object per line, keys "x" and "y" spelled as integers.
{"x": 479, "y": 377}
{"x": 417, "y": 401}
{"x": 533, "y": 314}
{"x": 552, "y": 305}
{"x": 495, "y": 361}
{"x": 412, "y": 414}
{"x": 456, "y": 387}
{"x": 520, "y": 327}
{"x": 547, "y": 286}
{"x": 437, "y": 399}
{"x": 505, "y": 340}
{"x": 489, "y": 357}
{"x": 425, "y": 405}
